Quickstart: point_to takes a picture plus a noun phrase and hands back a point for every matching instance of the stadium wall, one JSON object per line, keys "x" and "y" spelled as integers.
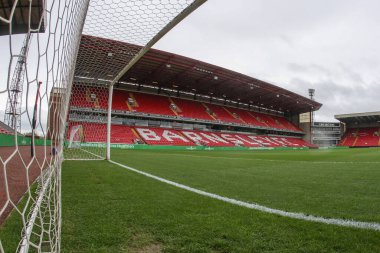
{"x": 9, "y": 141}
{"x": 163, "y": 147}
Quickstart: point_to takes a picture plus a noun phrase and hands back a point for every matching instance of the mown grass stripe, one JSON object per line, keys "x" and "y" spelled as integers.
{"x": 300, "y": 216}
{"x": 272, "y": 160}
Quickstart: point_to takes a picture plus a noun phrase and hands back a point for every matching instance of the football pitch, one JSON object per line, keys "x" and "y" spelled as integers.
{"x": 108, "y": 208}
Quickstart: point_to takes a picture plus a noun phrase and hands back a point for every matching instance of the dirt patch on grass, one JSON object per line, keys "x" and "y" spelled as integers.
{"x": 143, "y": 243}
{"x": 152, "y": 248}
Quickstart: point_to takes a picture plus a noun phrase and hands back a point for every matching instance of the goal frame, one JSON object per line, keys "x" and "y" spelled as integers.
{"x": 181, "y": 16}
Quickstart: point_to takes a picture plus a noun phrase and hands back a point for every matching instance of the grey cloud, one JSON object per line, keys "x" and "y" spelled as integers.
{"x": 311, "y": 68}
{"x": 338, "y": 98}
{"x": 329, "y": 45}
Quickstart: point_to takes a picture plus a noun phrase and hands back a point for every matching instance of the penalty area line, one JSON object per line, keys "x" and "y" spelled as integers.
{"x": 299, "y": 216}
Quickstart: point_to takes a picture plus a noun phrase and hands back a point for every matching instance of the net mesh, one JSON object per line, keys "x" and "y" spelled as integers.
{"x": 76, "y": 137}
{"x": 62, "y": 98}
{"x": 86, "y": 132}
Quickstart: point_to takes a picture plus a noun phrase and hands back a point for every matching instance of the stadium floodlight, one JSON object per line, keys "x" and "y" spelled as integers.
{"x": 62, "y": 60}
{"x": 311, "y": 93}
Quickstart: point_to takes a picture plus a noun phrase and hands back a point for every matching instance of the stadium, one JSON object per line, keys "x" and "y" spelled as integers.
{"x": 110, "y": 145}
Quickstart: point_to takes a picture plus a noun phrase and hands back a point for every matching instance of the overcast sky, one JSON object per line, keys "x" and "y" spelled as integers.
{"x": 330, "y": 45}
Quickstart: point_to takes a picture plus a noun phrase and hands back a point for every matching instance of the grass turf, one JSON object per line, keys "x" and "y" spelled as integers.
{"x": 329, "y": 183}
{"x": 109, "y": 209}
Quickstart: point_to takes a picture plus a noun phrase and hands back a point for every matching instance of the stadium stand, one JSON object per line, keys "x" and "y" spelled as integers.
{"x": 222, "y": 114}
{"x": 89, "y": 97}
{"x": 362, "y": 129}
{"x": 300, "y": 143}
{"x": 191, "y": 109}
{"x": 361, "y": 137}
{"x": 285, "y": 124}
{"x": 168, "y": 99}
{"x": 4, "y": 129}
{"x": 160, "y": 136}
{"x": 122, "y": 134}
{"x": 122, "y": 102}
{"x": 205, "y": 138}
{"x": 349, "y": 138}
{"x": 240, "y": 140}
{"x": 248, "y": 117}
{"x": 166, "y": 106}
{"x": 367, "y": 137}
{"x": 151, "y": 104}
{"x": 119, "y": 133}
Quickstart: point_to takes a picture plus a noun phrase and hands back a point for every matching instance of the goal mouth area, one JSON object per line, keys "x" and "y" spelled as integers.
{"x": 85, "y": 151}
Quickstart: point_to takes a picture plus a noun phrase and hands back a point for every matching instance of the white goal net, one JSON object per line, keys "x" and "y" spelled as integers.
{"x": 59, "y": 62}
{"x": 76, "y": 137}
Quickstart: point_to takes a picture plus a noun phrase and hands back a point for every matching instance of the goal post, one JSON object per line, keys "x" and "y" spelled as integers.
{"x": 109, "y": 119}
{"x": 170, "y": 25}
{"x": 86, "y": 130}
{"x": 78, "y": 53}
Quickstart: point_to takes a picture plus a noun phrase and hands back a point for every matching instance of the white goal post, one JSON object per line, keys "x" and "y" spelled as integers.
{"x": 73, "y": 110}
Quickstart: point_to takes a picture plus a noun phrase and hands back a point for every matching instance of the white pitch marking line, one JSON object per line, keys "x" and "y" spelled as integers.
{"x": 86, "y": 159}
{"x": 273, "y": 160}
{"x": 300, "y": 216}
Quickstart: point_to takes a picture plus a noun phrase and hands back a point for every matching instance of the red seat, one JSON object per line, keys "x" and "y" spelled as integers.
{"x": 206, "y": 138}
{"x": 91, "y": 97}
{"x": 160, "y": 136}
{"x": 361, "y": 137}
{"x": 191, "y": 109}
{"x": 152, "y": 104}
{"x": 247, "y": 117}
{"x": 94, "y": 132}
{"x": 222, "y": 114}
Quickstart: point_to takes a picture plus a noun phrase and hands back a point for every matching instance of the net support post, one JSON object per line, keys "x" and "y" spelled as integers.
{"x": 109, "y": 119}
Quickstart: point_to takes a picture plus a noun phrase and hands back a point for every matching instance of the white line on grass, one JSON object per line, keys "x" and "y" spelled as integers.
{"x": 273, "y": 160}
{"x": 86, "y": 159}
{"x": 300, "y": 216}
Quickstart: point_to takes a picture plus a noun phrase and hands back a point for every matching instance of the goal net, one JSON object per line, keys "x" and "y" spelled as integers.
{"x": 86, "y": 126}
{"x": 76, "y": 137}
{"x": 59, "y": 63}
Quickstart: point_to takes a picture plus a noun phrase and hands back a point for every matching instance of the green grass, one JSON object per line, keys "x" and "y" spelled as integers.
{"x": 297, "y": 181}
{"x": 89, "y": 152}
{"x": 10, "y": 231}
{"x": 110, "y": 209}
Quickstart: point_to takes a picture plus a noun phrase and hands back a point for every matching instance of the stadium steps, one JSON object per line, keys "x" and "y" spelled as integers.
{"x": 210, "y": 112}
{"x": 161, "y": 105}
{"x": 234, "y": 115}
{"x": 5, "y": 129}
{"x": 122, "y": 134}
{"x": 356, "y": 139}
{"x": 221, "y": 114}
{"x": 257, "y": 117}
{"x": 192, "y": 109}
{"x": 176, "y": 112}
